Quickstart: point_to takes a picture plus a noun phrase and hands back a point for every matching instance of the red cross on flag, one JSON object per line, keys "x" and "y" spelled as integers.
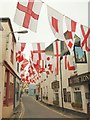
{"x": 22, "y": 75}
{"x": 42, "y": 66}
{"x": 56, "y": 23}
{"x": 24, "y": 64}
{"x": 71, "y": 27}
{"x": 38, "y": 51}
{"x": 57, "y": 52}
{"x": 19, "y": 57}
{"x": 81, "y": 32}
{"x": 32, "y": 81}
{"x": 27, "y": 13}
{"x": 19, "y": 51}
{"x": 85, "y": 31}
{"x": 85, "y": 36}
{"x": 88, "y": 41}
{"x": 69, "y": 62}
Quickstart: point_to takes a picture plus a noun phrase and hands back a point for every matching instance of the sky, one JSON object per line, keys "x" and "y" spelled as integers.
{"x": 76, "y": 10}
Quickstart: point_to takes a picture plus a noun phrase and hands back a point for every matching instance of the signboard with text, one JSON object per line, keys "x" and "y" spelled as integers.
{"x": 79, "y": 79}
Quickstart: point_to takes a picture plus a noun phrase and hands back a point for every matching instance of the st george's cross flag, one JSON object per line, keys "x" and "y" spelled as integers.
{"x": 20, "y": 46}
{"x": 24, "y": 64}
{"x": 83, "y": 33}
{"x": 69, "y": 33}
{"x": 19, "y": 51}
{"x": 57, "y": 53}
{"x": 69, "y": 62}
{"x": 38, "y": 51}
{"x": 22, "y": 75}
{"x": 71, "y": 27}
{"x": 56, "y": 23}
{"x": 27, "y": 13}
{"x": 49, "y": 64}
{"x": 19, "y": 57}
{"x": 88, "y": 41}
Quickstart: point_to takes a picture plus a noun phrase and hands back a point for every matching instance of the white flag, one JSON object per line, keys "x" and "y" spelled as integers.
{"x": 56, "y": 23}
{"x": 38, "y": 51}
{"x": 57, "y": 53}
{"x": 27, "y": 13}
{"x": 69, "y": 33}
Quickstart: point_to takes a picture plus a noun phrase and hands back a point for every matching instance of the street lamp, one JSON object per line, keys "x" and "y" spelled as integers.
{"x": 61, "y": 84}
{"x": 19, "y": 32}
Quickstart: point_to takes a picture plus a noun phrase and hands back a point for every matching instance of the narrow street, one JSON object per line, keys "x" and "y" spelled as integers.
{"x": 34, "y": 109}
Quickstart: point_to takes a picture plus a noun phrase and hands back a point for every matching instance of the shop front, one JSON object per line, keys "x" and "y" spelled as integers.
{"x": 10, "y": 90}
{"x": 80, "y": 85}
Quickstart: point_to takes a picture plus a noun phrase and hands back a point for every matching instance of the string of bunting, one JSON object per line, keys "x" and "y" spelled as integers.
{"x": 65, "y": 29}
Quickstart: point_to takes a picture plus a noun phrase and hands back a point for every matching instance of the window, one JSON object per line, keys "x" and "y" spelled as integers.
{"x": 65, "y": 94}
{"x": 17, "y": 67}
{"x": 11, "y": 89}
{"x": 17, "y": 91}
{"x": 12, "y": 43}
{"x": 78, "y": 97}
{"x": 12, "y": 51}
{"x": 11, "y": 56}
{"x": 57, "y": 96}
{"x": 68, "y": 97}
{"x": 56, "y": 99}
{"x": 5, "y": 85}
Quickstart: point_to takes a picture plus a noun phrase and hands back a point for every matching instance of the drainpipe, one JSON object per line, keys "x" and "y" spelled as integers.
{"x": 61, "y": 84}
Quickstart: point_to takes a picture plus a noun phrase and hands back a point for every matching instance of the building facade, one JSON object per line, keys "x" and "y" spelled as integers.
{"x": 70, "y": 89}
{"x": 10, "y": 76}
{"x": 1, "y": 83}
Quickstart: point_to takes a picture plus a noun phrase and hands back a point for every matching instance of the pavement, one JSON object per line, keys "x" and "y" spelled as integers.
{"x": 18, "y": 111}
{"x": 29, "y": 107}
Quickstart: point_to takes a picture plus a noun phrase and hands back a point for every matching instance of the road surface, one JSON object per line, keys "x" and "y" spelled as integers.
{"x": 35, "y": 109}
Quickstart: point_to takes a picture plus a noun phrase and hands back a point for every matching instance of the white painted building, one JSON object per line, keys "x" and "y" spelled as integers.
{"x": 10, "y": 79}
{"x": 71, "y": 88}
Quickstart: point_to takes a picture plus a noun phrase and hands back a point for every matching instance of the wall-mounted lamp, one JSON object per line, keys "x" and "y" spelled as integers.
{"x": 12, "y": 32}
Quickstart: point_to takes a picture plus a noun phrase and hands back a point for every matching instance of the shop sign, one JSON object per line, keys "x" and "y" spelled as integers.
{"x": 79, "y": 79}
